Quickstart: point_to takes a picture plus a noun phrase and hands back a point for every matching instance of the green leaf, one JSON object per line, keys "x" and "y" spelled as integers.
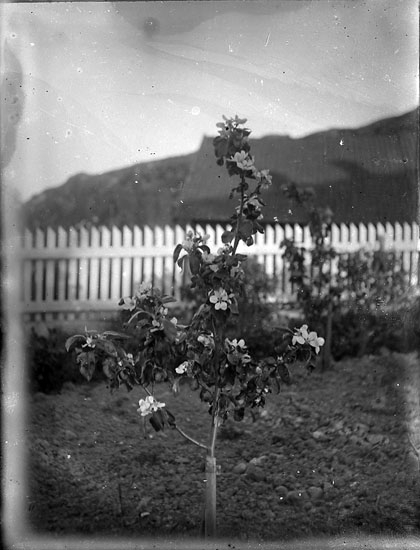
{"x": 234, "y": 306}
{"x": 146, "y": 373}
{"x": 284, "y": 373}
{"x": 108, "y": 367}
{"x": 170, "y": 418}
{"x": 168, "y": 299}
{"x": 227, "y": 236}
{"x": 246, "y": 229}
{"x": 238, "y": 414}
{"x": 205, "y": 248}
{"x": 141, "y": 314}
{"x": 194, "y": 264}
{"x": 87, "y": 361}
{"x": 181, "y": 261}
{"x": 169, "y": 329}
{"x": 107, "y": 346}
{"x": 241, "y": 257}
{"x": 76, "y": 339}
{"x": 276, "y": 383}
{"x": 220, "y": 145}
{"x": 177, "y": 251}
{"x": 112, "y": 334}
{"x": 157, "y": 421}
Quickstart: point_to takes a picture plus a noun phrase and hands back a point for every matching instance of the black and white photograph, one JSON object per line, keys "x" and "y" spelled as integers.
{"x": 210, "y": 308}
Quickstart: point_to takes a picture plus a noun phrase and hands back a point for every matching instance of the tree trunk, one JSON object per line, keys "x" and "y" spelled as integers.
{"x": 210, "y": 498}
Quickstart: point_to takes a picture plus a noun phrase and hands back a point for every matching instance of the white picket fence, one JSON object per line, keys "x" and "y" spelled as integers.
{"x": 78, "y": 273}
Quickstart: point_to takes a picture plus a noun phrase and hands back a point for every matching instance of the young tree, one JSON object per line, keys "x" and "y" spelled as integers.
{"x": 222, "y": 370}
{"x": 317, "y": 292}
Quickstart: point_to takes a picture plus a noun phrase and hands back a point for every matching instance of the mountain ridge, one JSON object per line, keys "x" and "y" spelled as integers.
{"x": 361, "y": 173}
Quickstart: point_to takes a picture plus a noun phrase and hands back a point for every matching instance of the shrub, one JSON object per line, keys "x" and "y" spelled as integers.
{"x": 48, "y": 364}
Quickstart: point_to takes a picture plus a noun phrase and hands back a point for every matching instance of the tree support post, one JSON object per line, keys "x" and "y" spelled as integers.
{"x": 210, "y": 498}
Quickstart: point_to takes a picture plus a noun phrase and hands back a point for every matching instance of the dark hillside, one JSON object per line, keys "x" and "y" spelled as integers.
{"x": 367, "y": 174}
{"x": 143, "y": 194}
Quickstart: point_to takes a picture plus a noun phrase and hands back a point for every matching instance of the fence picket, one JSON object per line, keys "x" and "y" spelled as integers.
{"x": 62, "y": 265}
{"x": 64, "y": 271}
{"x": 50, "y": 267}
{"x": 363, "y": 235}
{"x": 147, "y": 271}
{"x": 126, "y": 263}
{"x": 93, "y": 286}
{"x": 353, "y": 237}
{"x": 104, "y": 265}
{"x": 39, "y": 268}
{"x": 137, "y": 260}
{"x": 371, "y": 236}
{"x": 82, "y": 293}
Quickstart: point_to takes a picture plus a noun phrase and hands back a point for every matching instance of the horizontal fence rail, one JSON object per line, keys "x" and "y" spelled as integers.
{"x": 76, "y": 273}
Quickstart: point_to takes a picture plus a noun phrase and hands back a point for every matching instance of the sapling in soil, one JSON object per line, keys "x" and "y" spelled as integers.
{"x": 199, "y": 353}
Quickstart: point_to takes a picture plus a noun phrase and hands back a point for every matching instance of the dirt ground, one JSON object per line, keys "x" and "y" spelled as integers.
{"x": 332, "y": 454}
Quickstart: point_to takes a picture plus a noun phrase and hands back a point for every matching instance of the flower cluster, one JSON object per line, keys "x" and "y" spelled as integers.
{"x": 245, "y": 162}
{"x": 220, "y": 299}
{"x": 185, "y": 367}
{"x": 207, "y": 339}
{"x": 149, "y": 406}
{"x": 237, "y": 351}
{"x": 303, "y": 336}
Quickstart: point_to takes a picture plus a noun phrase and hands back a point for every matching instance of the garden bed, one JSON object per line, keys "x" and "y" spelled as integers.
{"x": 331, "y": 454}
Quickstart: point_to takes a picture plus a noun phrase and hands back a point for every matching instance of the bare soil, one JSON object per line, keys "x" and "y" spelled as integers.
{"x": 332, "y": 454}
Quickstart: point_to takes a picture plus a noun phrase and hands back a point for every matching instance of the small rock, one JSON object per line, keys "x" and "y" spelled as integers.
{"x": 362, "y": 492}
{"x": 338, "y": 483}
{"x": 258, "y": 461}
{"x": 143, "y": 504}
{"x": 295, "y": 497}
{"x": 315, "y": 493}
{"x": 254, "y": 473}
{"x": 377, "y": 439}
{"x": 338, "y": 425}
{"x": 327, "y": 486}
{"x": 318, "y": 435}
{"x": 277, "y": 480}
{"x": 69, "y": 434}
{"x": 282, "y": 491}
{"x": 360, "y": 428}
{"x": 240, "y": 468}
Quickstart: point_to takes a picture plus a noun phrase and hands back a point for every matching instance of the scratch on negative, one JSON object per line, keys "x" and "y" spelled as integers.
{"x": 267, "y": 40}
{"x": 67, "y": 122}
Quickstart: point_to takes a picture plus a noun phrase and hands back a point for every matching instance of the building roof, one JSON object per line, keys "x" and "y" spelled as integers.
{"x": 368, "y": 174}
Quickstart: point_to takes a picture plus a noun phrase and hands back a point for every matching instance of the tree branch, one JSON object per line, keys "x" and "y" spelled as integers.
{"x": 178, "y": 429}
{"x": 190, "y": 438}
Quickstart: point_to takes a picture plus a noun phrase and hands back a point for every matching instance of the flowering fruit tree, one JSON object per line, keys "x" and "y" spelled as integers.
{"x": 220, "y": 369}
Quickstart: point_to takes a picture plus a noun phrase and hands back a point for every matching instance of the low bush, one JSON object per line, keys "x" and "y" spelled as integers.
{"x": 49, "y": 366}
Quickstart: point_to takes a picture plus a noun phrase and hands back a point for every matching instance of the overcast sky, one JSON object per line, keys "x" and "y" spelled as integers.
{"x": 91, "y": 87}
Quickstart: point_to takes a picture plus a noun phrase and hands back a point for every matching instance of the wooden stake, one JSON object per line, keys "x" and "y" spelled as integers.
{"x": 210, "y": 498}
